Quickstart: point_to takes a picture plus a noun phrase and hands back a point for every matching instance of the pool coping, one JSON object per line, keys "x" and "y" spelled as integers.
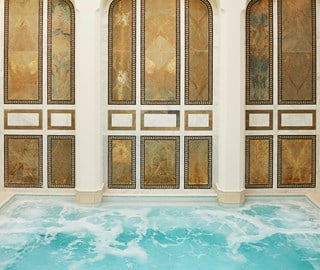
{"x": 313, "y": 196}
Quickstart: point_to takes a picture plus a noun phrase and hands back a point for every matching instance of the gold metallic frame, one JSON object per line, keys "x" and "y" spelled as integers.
{"x": 112, "y": 185}
{"x": 142, "y": 70}
{"x": 314, "y": 119}
{"x": 311, "y": 138}
{"x": 132, "y": 101}
{"x": 176, "y": 113}
{"x": 50, "y": 161}
{"x": 72, "y": 56}
{"x": 73, "y": 120}
{"x": 176, "y": 140}
{"x": 204, "y": 112}
{"x": 6, "y": 115}
{"x": 269, "y": 112}
{"x": 111, "y": 112}
{"x": 210, "y": 55}
{"x": 187, "y": 140}
{"x": 7, "y": 139}
{"x": 6, "y": 57}
{"x": 248, "y": 182}
{"x": 269, "y": 101}
{"x": 281, "y": 101}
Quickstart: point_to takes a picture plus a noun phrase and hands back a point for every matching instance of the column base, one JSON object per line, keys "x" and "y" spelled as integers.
{"x": 89, "y": 197}
{"x": 235, "y": 197}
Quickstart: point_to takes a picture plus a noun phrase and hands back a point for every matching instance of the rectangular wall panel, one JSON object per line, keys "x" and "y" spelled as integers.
{"x": 259, "y": 120}
{"x": 61, "y": 161}
{"x": 160, "y": 52}
{"x": 160, "y": 162}
{"x": 198, "y": 53}
{"x": 22, "y": 119}
{"x": 23, "y": 161}
{"x": 259, "y": 158}
{"x": 297, "y": 51}
{"x": 297, "y": 119}
{"x": 61, "y": 54}
{"x": 122, "y": 52}
{"x": 61, "y": 119}
{"x": 198, "y": 120}
{"x": 160, "y": 120}
{"x": 121, "y": 162}
{"x": 259, "y": 66}
{"x": 198, "y": 162}
{"x": 297, "y": 161}
{"x": 23, "y": 52}
{"x": 121, "y": 120}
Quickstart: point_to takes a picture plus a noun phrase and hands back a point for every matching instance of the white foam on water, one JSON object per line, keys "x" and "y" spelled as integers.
{"x": 24, "y": 223}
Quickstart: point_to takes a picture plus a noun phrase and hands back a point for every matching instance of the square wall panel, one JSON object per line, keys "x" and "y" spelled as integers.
{"x": 259, "y": 156}
{"x": 297, "y": 161}
{"x": 198, "y": 162}
{"x": 61, "y": 161}
{"x": 122, "y": 162}
{"x": 23, "y": 161}
{"x": 160, "y": 162}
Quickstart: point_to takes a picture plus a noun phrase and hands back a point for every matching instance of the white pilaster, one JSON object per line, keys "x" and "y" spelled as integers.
{"x": 89, "y": 184}
{"x": 230, "y": 184}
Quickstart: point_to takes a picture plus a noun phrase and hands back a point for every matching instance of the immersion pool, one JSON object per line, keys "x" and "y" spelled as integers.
{"x": 56, "y": 233}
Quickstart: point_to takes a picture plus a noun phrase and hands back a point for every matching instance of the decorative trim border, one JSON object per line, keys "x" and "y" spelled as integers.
{"x": 279, "y": 173}
{"x": 270, "y": 19}
{"x": 6, "y": 164}
{"x": 142, "y": 161}
{"x": 6, "y": 56}
{"x": 314, "y": 58}
{"x": 247, "y": 160}
{"x": 187, "y": 139}
{"x": 210, "y": 53}
{"x": 142, "y": 69}
{"x": 133, "y": 165}
{"x": 73, "y": 120}
{"x": 205, "y": 112}
{"x": 72, "y": 55}
{"x": 111, "y": 112}
{"x": 132, "y": 101}
{"x": 176, "y": 113}
{"x": 314, "y": 119}
{"x": 7, "y": 112}
{"x": 73, "y": 157}
{"x": 248, "y": 112}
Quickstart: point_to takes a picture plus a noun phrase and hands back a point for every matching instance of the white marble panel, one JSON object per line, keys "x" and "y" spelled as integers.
{"x": 160, "y": 120}
{"x": 61, "y": 119}
{"x": 296, "y": 119}
{"x": 23, "y": 119}
{"x": 259, "y": 120}
{"x": 198, "y": 120}
{"x": 121, "y": 120}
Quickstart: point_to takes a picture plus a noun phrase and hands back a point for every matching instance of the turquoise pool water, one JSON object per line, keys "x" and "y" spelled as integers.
{"x": 56, "y": 233}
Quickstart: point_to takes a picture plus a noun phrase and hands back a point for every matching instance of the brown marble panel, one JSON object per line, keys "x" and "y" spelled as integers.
{"x": 199, "y": 42}
{"x": 23, "y": 52}
{"x": 61, "y": 43}
{"x": 121, "y": 165}
{"x": 122, "y": 52}
{"x": 160, "y": 53}
{"x": 61, "y": 161}
{"x": 259, "y": 153}
{"x": 23, "y": 161}
{"x": 259, "y": 52}
{"x": 297, "y": 52}
{"x": 160, "y": 159}
{"x": 198, "y": 162}
{"x": 296, "y": 161}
